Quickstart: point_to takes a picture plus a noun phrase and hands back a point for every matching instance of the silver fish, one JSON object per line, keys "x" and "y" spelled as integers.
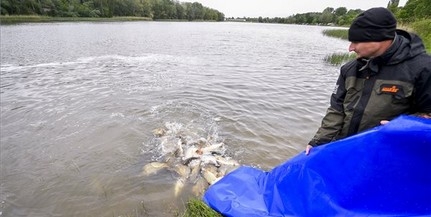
{"x": 226, "y": 161}
{"x": 153, "y": 167}
{"x": 213, "y": 148}
{"x": 194, "y": 158}
{"x": 209, "y": 159}
{"x": 190, "y": 154}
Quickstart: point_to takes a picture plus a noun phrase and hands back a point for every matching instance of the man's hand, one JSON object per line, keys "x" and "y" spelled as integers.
{"x": 307, "y": 149}
{"x": 425, "y": 115}
{"x": 422, "y": 115}
{"x": 383, "y": 122}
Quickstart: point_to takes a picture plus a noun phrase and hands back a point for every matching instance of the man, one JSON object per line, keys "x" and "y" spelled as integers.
{"x": 391, "y": 76}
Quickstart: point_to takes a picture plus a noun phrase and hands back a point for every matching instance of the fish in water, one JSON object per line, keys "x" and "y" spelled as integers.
{"x": 212, "y": 148}
{"x": 153, "y": 168}
{"x": 179, "y": 185}
{"x": 195, "y": 160}
{"x": 159, "y": 132}
{"x": 182, "y": 170}
{"x": 200, "y": 186}
{"x": 195, "y": 167}
{"x": 209, "y": 176}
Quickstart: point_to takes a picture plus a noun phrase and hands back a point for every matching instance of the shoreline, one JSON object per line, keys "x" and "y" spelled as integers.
{"x": 19, "y": 19}
{"x": 16, "y": 19}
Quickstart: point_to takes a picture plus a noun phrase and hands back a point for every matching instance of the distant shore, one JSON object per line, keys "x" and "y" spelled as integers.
{"x": 37, "y": 19}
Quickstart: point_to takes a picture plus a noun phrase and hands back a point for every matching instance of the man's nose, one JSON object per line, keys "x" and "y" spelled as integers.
{"x": 352, "y": 47}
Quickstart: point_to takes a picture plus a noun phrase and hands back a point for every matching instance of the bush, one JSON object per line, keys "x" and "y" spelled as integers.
{"x": 423, "y": 29}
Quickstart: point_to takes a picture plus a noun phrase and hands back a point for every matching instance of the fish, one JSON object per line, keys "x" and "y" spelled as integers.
{"x": 190, "y": 154}
{"x": 202, "y": 142}
{"x": 159, "y": 132}
{"x": 179, "y": 152}
{"x": 195, "y": 166}
{"x": 169, "y": 145}
{"x": 226, "y": 161}
{"x": 213, "y": 148}
{"x": 182, "y": 170}
{"x": 178, "y": 188}
{"x": 200, "y": 186}
{"x": 198, "y": 161}
{"x": 210, "y": 177}
{"x": 99, "y": 185}
{"x": 225, "y": 169}
{"x": 153, "y": 167}
{"x": 211, "y": 168}
{"x": 209, "y": 159}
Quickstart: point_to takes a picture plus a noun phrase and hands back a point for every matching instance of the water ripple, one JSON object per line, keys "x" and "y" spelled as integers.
{"x": 79, "y": 102}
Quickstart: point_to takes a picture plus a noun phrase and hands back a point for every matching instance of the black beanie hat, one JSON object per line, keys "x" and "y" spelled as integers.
{"x": 375, "y": 24}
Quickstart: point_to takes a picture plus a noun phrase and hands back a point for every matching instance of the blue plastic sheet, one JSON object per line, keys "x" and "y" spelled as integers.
{"x": 385, "y": 171}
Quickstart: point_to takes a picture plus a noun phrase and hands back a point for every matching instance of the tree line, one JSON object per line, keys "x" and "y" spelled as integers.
{"x": 413, "y": 10}
{"x": 154, "y": 9}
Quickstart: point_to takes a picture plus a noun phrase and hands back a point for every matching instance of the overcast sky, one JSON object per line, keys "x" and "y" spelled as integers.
{"x": 285, "y": 8}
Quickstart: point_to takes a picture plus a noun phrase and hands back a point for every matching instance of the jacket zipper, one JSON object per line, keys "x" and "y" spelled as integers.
{"x": 362, "y": 104}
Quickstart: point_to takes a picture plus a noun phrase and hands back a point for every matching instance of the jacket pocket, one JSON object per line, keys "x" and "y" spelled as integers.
{"x": 401, "y": 92}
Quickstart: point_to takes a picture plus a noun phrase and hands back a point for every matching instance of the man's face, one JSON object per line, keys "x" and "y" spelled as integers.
{"x": 366, "y": 49}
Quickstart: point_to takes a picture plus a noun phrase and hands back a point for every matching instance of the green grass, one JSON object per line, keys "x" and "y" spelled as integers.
{"x": 423, "y": 29}
{"x": 336, "y": 33}
{"x": 197, "y": 208}
{"x": 36, "y": 19}
{"x": 339, "y": 58}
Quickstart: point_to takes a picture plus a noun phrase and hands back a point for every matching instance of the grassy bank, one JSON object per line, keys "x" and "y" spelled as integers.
{"x": 196, "y": 207}
{"x": 421, "y": 28}
{"x": 36, "y": 19}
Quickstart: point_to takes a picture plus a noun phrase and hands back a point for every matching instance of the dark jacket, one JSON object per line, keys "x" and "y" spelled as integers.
{"x": 382, "y": 88}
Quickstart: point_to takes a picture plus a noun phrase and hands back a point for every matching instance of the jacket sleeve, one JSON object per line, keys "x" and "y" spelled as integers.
{"x": 332, "y": 122}
{"x": 423, "y": 90}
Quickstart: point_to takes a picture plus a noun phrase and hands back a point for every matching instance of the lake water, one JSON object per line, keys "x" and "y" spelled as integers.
{"x": 79, "y": 102}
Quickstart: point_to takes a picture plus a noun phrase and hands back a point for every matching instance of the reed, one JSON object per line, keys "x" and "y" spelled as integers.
{"x": 336, "y": 33}
{"x": 339, "y": 58}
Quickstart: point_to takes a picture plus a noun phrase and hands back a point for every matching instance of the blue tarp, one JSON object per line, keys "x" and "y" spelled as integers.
{"x": 385, "y": 171}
